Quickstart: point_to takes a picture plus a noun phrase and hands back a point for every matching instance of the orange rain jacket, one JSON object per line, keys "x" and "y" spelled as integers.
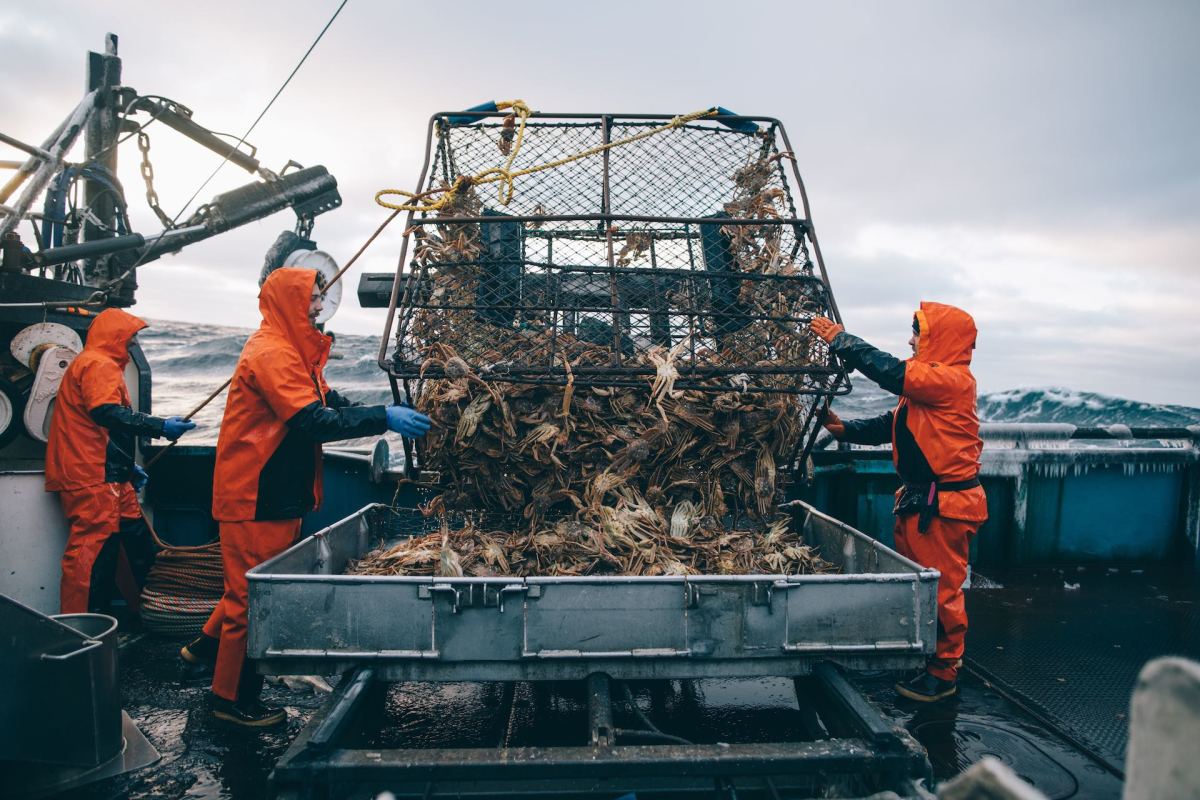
{"x": 934, "y": 429}
{"x": 93, "y": 428}
{"x": 280, "y": 410}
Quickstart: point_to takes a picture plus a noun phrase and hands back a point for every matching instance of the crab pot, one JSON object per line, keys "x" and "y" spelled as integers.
{"x": 878, "y": 611}
{"x": 689, "y": 252}
{"x": 696, "y": 235}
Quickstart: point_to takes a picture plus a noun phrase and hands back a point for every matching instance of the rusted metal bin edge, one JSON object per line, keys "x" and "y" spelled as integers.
{"x": 879, "y": 613}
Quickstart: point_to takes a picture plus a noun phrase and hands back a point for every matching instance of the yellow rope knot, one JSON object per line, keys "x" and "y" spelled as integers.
{"x": 421, "y": 203}
{"x": 518, "y": 106}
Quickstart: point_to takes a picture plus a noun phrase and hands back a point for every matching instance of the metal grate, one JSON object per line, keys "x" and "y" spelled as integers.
{"x": 685, "y": 248}
{"x": 1073, "y": 657}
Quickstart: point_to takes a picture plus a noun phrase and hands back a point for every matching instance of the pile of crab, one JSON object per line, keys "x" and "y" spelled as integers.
{"x": 629, "y": 538}
{"x": 648, "y": 480}
{"x": 536, "y": 451}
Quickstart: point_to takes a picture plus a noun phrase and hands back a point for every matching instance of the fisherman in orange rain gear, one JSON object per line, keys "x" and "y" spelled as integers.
{"x": 89, "y": 462}
{"x": 268, "y": 469}
{"x": 934, "y": 431}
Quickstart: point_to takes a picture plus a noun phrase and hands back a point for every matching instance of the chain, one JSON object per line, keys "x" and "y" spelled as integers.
{"x": 304, "y": 226}
{"x": 148, "y": 177}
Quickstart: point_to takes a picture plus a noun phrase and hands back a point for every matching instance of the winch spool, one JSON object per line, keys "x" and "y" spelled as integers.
{"x": 12, "y": 404}
{"x": 292, "y": 250}
{"x": 28, "y": 346}
{"x": 47, "y": 349}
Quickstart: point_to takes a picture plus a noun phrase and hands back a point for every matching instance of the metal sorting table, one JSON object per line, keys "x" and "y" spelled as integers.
{"x": 877, "y": 612}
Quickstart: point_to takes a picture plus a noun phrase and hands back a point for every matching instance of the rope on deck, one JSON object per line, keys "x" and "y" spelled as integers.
{"x": 182, "y": 588}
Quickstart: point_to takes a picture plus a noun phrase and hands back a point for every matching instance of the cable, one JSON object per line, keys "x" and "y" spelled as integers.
{"x": 651, "y": 731}
{"x": 183, "y": 587}
{"x": 242, "y": 140}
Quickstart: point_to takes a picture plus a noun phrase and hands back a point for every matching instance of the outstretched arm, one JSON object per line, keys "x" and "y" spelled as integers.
{"x": 323, "y": 424}
{"x": 872, "y": 430}
{"x": 103, "y": 386}
{"x": 883, "y": 368}
{"x": 285, "y": 383}
{"x": 124, "y": 419}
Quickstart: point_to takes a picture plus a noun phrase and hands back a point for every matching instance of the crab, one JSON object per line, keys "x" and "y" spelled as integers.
{"x": 636, "y": 244}
{"x": 665, "y": 374}
{"x": 468, "y": 423}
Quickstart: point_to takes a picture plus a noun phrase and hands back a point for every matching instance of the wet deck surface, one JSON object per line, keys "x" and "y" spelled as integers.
{"x": 980, "y": 722}
{"x": 1069, "y": 642}
{"x": 203, "y": 758}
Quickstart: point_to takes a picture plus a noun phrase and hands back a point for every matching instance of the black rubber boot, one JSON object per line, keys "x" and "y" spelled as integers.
{"x": 103, "y": 587}
{"x": 248, "y": 711}
{"x": 925, "y": 687}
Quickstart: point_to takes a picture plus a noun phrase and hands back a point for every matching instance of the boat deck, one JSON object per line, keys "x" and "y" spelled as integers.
{"x": 1068, "y": 643}
{"x": 1046, "y": 689}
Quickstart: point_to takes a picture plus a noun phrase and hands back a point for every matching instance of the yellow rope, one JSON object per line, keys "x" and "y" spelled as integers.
{"x": 505, "y": 176}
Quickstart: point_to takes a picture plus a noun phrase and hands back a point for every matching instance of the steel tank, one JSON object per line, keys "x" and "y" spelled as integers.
{"x": 60, "y": 703}
{"x": 88, "y": 688}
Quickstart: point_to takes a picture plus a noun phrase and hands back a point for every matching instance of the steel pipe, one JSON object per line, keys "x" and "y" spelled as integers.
{"x": 66, "y": 139}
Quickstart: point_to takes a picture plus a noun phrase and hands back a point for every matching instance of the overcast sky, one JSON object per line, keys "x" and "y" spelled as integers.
{"x": 1036, "y": 163}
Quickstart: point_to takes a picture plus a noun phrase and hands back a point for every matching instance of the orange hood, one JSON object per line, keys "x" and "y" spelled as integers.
{"x": 283, "y": 301}
{"x": 110, "y": 332}
{"x": 947, "y": 334}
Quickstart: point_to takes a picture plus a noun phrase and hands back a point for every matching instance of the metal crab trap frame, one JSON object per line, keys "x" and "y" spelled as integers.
{"x": 630, "y": 248}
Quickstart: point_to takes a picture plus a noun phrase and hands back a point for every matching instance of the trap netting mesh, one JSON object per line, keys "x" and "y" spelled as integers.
{"x": 628, "y": 332}
{"x": 682, "y": 252}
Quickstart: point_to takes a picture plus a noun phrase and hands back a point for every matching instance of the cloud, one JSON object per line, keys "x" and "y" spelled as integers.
{"x": 1035, "y": 163}
{"x": 1046, "y": 307}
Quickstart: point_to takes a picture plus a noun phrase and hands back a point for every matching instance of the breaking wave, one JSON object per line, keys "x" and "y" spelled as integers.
{"x": 1038, "y": 404}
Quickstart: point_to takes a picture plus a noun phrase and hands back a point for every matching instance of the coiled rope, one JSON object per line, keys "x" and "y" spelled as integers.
{"x": 182, "y": 588}
{"x": 436, "y": 199}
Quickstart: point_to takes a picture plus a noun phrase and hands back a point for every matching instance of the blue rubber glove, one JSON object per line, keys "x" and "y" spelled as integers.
{"x": 139, "y": 479}
{"x": 174, "y": 427}
{"x": 407, "y": 421}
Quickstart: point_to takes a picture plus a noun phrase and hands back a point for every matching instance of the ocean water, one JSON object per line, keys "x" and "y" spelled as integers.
{"x": 190, "y": 360}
